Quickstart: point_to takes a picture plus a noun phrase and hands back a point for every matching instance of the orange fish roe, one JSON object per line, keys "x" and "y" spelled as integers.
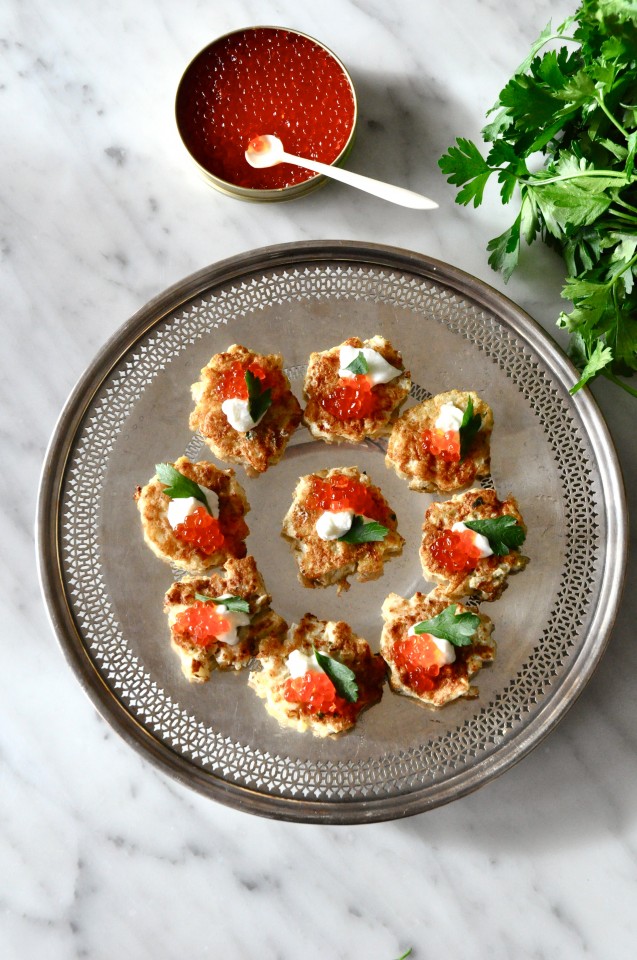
{"x": 264, "y": 80}
{"x": 418, "y": 661}
{"x": 202, "y": 531}
{"x": 446, "y": 446}
{"x": 455, "y": 551}
{"x": 352, "y": 399}
{"x": 316, "y": 693}
{"x": 232, "y": 382}
{"x": 343, "y": 493}
{"x": 201, "y": 624}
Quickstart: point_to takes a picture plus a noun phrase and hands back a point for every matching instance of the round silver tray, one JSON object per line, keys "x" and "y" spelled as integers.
{"x": 104, "y": 588}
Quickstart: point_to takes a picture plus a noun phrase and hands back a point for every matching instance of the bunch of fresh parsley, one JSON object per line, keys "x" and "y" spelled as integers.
{"x": 576, "y": 106}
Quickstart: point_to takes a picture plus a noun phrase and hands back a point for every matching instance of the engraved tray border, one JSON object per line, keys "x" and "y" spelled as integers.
{"x": 241, "y": 775}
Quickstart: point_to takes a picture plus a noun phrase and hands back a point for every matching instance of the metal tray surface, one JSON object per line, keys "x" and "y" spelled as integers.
{"x": 104, "y": 588}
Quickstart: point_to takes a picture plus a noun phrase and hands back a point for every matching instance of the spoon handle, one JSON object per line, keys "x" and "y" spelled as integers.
{"x": 386, "y": 191}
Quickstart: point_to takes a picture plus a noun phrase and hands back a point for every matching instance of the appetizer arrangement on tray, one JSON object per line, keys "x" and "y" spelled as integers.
{"x": 318, "y": 675}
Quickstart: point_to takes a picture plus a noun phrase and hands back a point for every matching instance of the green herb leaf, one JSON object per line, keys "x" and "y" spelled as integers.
{"x": 233, "y": 603}
{"x": 342, "y": 677}
{"x": 177, "y": 486}
{"x": 406, "y": 954}
{"x": 465, "y": 164}
{"x": 362, "y": 531}
{"x": 471, "y": 423}
{"x": 358, "y": 365}
{"x": 505, "y": 249}
{"x": 576, "y": 105}
{"x": 458, "y": 629}
{"x": 503, "y": 533}
{"x": 258, "y": 399}
{"x": 599, "y": 358}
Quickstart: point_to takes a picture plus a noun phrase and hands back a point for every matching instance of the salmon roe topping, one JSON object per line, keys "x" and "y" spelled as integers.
{"x": 201, "y": 624}
{"x": 445, "y": 446}
{"x": 264, "y": 80}
{"x": 232, "y": 382}
{"x": 456, "y": 551}
{"x": 201, "y": 530}
{"x": 352, "y": 399}
{"x": 343, "y": 493}
{"x": 316, "y": 694}
{"x": 418, "y": 661}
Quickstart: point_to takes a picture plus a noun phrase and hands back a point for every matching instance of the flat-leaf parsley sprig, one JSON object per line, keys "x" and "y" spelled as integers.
{"x": 259, "y": 400}
{"x": 178, "y": 486}
{"x": 364, "y": 531}
{"x": 578, "y": 106}
{"x": 342, "y": 677}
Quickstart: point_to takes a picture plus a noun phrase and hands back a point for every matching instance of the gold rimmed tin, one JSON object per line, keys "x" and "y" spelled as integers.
{"x": 184, "y": 111}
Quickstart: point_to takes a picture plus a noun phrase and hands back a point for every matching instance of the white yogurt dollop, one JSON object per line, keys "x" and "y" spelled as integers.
{"x": 236, "y": 619}
{"x": 181, "y": 507}
{"x": 449, "y": 418}
{"x": 447, "y": 649}
{"x": 299, "y": 664}
{"x": 380, "y": 371}
{"x": 479, "y": 540}
{"x": 237, "y": 413}
{"x": 332, "y": 525}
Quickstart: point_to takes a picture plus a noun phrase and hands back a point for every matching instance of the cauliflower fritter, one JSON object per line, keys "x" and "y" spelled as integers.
{"x": 409, "y": 673}
{"x": 152, "y": 503}
{"x": 323, "y": 388}
{"x": 200, "y": 653}
{"x": 410, "y": 457}
{"x": 260, "y": 446}
{"x": 325, "y": 714}
{"x": 487, "y": 577}
{"x": 325, "y": 562}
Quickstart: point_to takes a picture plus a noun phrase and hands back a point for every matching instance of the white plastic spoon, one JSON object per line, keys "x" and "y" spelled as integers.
{"x": 267, "y": 150}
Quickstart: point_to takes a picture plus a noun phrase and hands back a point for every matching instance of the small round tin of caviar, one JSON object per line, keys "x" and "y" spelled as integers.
{"x": 265, "y": 80}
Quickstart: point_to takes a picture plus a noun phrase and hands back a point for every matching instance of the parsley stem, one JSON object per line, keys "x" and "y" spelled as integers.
{"x": 620, "y": 383}
{"x": 611, "y": 284}
{"x": 600, "y": 100}
{"x": 622, "y": 215}
{"x": 626, "y": 267}
{"x": 541, "y": 182}
{"x": 628, "y": 206}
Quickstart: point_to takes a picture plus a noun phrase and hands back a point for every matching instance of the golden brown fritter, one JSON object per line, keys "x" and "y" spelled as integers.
{"x": 263, "y": 445}
{"x": 152, "y": 503}
{"x": 337, "y": 640}
{"x": 488, "y": 578}
{"x": 453, "y": 679}
{"x": 322, "y": 379}
{"x": 241, "y": 579}
{"x": 325, "y": 562}
{"x": 407, "y": 454}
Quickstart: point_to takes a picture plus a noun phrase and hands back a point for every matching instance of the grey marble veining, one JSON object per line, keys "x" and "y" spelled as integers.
{"x": 101, "y": 856}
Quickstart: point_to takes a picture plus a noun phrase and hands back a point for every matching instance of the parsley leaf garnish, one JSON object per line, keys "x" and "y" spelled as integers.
{"x": 233, "y": 603}
{"x": 458, "y": 629}
{"x": 358, "y": 365}
{"x": 575, "y": 105}
{"x": 342, "y": 677}
{"x": 258, "y": 399}
{"x": 471, "y": 423}
{"x": 466, "y": 168}
{"x": 362, "y": 531}
{"x": 503, "y": 533}
{"x": 178, "y": 486}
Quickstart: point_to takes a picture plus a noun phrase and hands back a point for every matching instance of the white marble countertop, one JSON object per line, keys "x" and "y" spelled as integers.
{"x": 101, "y": 855}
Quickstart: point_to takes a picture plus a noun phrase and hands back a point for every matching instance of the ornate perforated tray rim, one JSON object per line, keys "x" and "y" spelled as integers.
{"x": 494, "y": 759}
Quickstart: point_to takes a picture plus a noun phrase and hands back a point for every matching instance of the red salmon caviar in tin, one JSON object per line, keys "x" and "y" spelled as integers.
{"x": 264, "y": 80}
